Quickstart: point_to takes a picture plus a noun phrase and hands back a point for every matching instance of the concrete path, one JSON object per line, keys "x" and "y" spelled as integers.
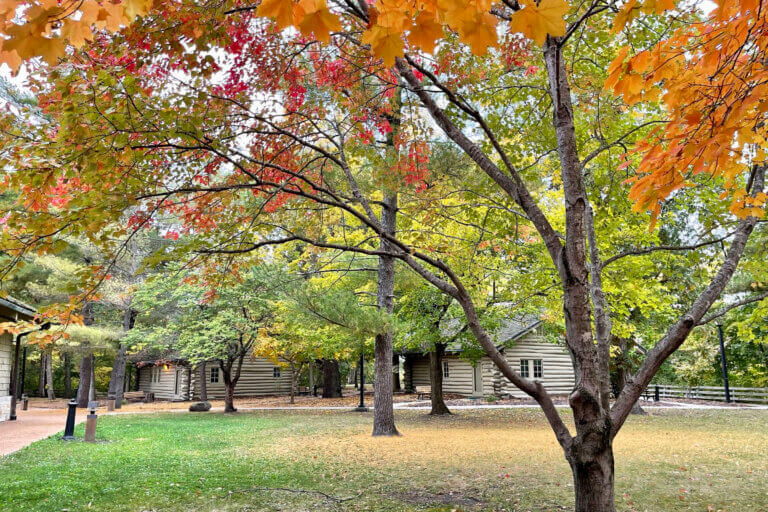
{"x": 31, "y": 426}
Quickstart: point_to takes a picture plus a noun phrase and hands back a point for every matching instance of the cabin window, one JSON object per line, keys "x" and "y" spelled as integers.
{"x": 276, "y": 372}
{"x": 214, "y": 375}
{"x": 446, "y": 373}
{"x": 155, "y": 375}
{"x": 524, "y": 368}
{"x": 538, "y": 369}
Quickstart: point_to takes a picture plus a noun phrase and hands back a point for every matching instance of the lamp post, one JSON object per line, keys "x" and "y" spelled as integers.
{"x": 724, "y": 364}
{"x": 69, "y": 429}
{"x": 362, "y": 407}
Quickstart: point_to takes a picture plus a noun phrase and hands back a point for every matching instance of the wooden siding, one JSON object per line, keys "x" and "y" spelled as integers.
{"x": 164, "y": 389}
{"x": 557, "y": 369}
{"x": 459, "y": 378}
{"x": 256, "y": 378}
{"x": 6, "y": 361}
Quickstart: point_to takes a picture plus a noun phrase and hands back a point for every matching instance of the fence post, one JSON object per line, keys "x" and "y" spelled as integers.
{"x": 656, "y": 393}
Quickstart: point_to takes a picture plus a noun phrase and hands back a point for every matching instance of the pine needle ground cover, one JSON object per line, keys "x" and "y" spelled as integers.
{"x": 474, "y": 460}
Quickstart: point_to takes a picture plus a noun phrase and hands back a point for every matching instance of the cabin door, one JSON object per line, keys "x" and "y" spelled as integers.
{"x": 477, "y": 380}
{"x": 177, "y": 384}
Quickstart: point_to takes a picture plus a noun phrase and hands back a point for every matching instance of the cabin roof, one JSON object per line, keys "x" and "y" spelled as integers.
{"x": 510, "y": 330}
{"x": 11, "y": 308}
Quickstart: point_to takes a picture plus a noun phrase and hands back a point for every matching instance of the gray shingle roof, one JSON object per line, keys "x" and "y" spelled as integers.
{"x": 510, "y": 330}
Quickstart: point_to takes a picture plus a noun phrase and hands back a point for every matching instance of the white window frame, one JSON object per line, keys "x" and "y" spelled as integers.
{"x": 540, "y": 368}
{"x": 525, "y": 368}
{"x": 275, "y": 372}
{"x": 446, "y": 370}
{"x": 213, "y": 375}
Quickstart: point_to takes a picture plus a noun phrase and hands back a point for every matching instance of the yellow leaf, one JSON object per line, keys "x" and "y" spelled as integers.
{"x": 425, "y": 32}
{"x": 479, "y": 33}
{"x": 279, "y": 10}
{"x": 313, "y": 17}
{"x": 535, "y": 22}
{"x": 11, "y": 58}
{"x": 8, "y": 7}
{"x": 627, "y": 12}
{"x": 76, "y": 32}
{"x": 386, "y": 44}
{"x": 135, "y": 8}
{"x": 111, "y": 16}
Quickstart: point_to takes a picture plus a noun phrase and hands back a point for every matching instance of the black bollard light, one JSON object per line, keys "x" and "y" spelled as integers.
{"x": 69, "y": 429}
{"x": 362, "y": 407}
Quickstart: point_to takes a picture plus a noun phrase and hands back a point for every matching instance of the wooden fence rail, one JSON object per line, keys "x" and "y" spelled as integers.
{"x": 713, "y": 393}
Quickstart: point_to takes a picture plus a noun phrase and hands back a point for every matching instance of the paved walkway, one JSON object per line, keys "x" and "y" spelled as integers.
{"x": 33, "y": 425}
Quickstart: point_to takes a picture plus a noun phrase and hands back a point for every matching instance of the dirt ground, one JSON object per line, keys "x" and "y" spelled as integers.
{"x": 350, "y": 399}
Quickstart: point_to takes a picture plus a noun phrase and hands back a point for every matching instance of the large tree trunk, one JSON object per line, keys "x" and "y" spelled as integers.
{"x": 229, "y": 396}
{"x": 231, "y": 373}
{"x": 86, "y": 364}
{"x": 117, "y": 378}
{"x": 593, "y": 481}
{"x": 436, "y": 381}
{"x": 67, "y": 375}
{"x": 331, "y": 378}
{"x": 203, "y": 379}
{"x": 383, "y": 410}
{"x": 92, "y": 389}
{"x": 84, "y": 385}
{"x": 41, "y": 375}
{"x": 589, "y": 454}
{"x": 49, "y": 374}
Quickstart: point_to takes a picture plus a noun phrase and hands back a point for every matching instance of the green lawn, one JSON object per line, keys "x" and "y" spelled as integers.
{"x": 490, "y": 460}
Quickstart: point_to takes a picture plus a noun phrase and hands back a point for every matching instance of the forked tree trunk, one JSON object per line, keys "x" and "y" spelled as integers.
{"x": 117, "y": 377}
{"x": 203, "y": 379}
{"x": 84, "y": 385}
{"x": 331, "y": 378}
{"x": 49, "y": 374}
{"x": 593, "y": 481}
{"x": 436, "y": 381}
{"x": 229, "y": 396}
{"x": 231, "y": 372}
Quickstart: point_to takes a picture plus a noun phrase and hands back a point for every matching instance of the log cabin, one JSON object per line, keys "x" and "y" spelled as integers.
{"x": 172, "y": 378}
{"x": 11, "y": 310}
{"x": 525, "y": 348}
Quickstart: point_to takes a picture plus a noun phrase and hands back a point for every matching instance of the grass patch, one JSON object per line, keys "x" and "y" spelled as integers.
{"x": 476, "y": 460}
